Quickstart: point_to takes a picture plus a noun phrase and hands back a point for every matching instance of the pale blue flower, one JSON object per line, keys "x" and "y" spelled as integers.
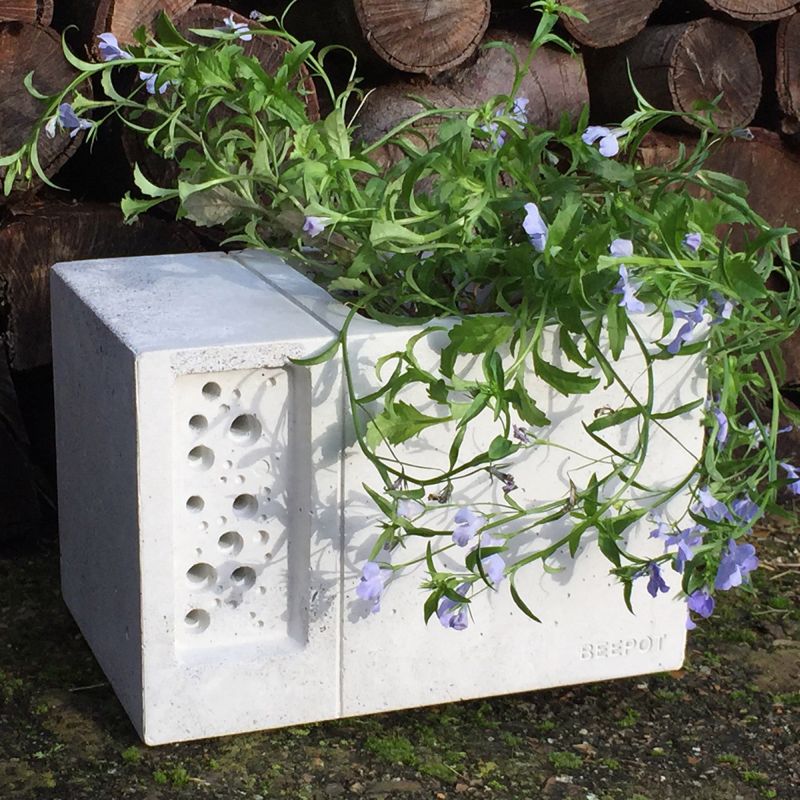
{"x": 758, "y": 439}
{"x": 724, "y": 306}
{"x": 467, "y": 525}
{"x": 692, "y": 241}
{"x": 621, "y": 248}
{"x": 67, "y": 119}
{"x": 609, "y": 138}
{"x": 722, "y": 424}
{"x": 711, "y": 508}
{"x": 150, "y": 79}
{"x": 701, "y": 602}
{"x": 663, "y": 528}
{"x": 735, "y": 565}
{"x": 685, "y": 540}
{"x": 692, "y": 320}
{"x": 314, "y": 226}
{"x": 239, "y": 29}
{"x": 628, "y": 291}
{"x": 109, "y": 48}
{"x": 371, "y": 585}
{"x": 535, "y": 227}
{"x": 453, "y": 614}
{"x": 792, "y": 475}
{"x": 745, "y": 509}
{"x": 494, "y": 565}
{"x": 656, "y": 583}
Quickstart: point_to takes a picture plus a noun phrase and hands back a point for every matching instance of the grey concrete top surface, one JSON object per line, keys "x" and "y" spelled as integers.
{"x": 195, "y": 300}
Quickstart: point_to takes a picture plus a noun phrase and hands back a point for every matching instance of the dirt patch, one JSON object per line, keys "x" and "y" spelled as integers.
{"x": 725, "y": 727}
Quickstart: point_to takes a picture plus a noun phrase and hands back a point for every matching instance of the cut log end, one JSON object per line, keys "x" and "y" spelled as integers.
{"x": 712, "y": 59}
{"x": 28, "y": 48}
{"x": 675, "y": 67}
{"x": 124, "y": 17}
{"x": 425, "y": 36}
{"x": 555, "y": 85}
{"x": 610, "y": 22}
{"x": 754, "y": 10}
{"x": 269, "y": 51}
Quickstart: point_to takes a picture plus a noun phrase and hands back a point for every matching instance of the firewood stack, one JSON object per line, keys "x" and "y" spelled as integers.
{"x": 678, "y": 52}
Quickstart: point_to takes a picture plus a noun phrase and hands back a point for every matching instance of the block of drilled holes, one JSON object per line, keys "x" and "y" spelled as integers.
{"x": 214, "y": 520}
{"x": 193, "y": 558}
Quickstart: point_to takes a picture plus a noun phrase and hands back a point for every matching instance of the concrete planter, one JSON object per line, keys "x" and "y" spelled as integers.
{"x": 214, "y": 524}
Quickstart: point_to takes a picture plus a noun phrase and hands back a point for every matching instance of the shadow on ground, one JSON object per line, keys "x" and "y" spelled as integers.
{"x": 723, "y": 728}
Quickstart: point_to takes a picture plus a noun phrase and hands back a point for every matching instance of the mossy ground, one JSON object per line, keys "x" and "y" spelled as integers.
{"x": 725, "y": 727}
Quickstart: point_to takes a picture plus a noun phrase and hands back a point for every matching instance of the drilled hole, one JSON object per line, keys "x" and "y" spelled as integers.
{"x": 197, "y": 620}
{"x": 263, "y": 537}
{"x": 245, "y": 429}
{"x": 244, "y": 577}
{"x": 202, "y": 575}
{"x": 195, "y": 504}
{"x": 245, "y": 505}
{"x": 231, "y": 542}
{"x": 211, "y": 391}
{"x": 201, "y": 457}
{"x": 198, "y": 423}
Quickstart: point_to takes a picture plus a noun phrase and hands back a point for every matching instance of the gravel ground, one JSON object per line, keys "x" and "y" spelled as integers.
{"x": 725, "y": 727}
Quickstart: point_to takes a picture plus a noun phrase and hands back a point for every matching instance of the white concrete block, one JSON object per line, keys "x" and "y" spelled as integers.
{"x": 214, "y": 524}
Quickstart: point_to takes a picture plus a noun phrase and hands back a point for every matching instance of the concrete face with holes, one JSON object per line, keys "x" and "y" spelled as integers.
{"x": 214, "y": 523}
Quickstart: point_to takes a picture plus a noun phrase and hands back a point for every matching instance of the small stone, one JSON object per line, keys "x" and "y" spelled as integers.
{"x": 334, "y": 790}
{"x": 461, "y": 788}
{"x": 356, "y": 788}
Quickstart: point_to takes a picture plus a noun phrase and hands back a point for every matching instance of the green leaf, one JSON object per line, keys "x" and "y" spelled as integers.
{"x": 614, "y": 418}
{"x": 521, "y": 605}
{"x": 167, "y": 33}
{"x": 607, "y": 543}
{"x": 478, "y": 334}
{"x": 326, "y": 354}
{"x": 386, "y": 231}
{"x": 561, "y": 380}
{"x": 744, "y": 280}
{"x": 501, "y": 448}
{"x": 617, "y": 324}
{"x": 150, "y": 189}
{"x": 214, "y": 206}
{"x": 399, "y": 422}
{"x": 676, "y": 412}
{"x": 526, "y": 406}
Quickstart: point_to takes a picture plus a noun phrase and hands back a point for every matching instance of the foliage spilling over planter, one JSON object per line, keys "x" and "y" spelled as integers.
{"x": 507, "y": 229}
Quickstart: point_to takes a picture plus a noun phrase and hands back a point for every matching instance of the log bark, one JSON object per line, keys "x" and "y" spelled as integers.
{"x": 610, "y": 22}
{"x": 44, "y": 234}
{"x": 28, "y": 48}
{"x": 39, "y": 11}
{"x": 555, "y": 85}
{"x": 787, "y": 74}
{"x": 754, "y": 10}
{"x": 420, "y": 36}
{"x": 674, "y": 67}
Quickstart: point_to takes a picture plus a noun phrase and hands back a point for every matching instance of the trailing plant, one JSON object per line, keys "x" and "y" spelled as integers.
{"x": 501, "y": 239}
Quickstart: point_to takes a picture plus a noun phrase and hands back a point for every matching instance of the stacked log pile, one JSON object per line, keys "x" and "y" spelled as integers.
{"x": 678, "y": 53}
